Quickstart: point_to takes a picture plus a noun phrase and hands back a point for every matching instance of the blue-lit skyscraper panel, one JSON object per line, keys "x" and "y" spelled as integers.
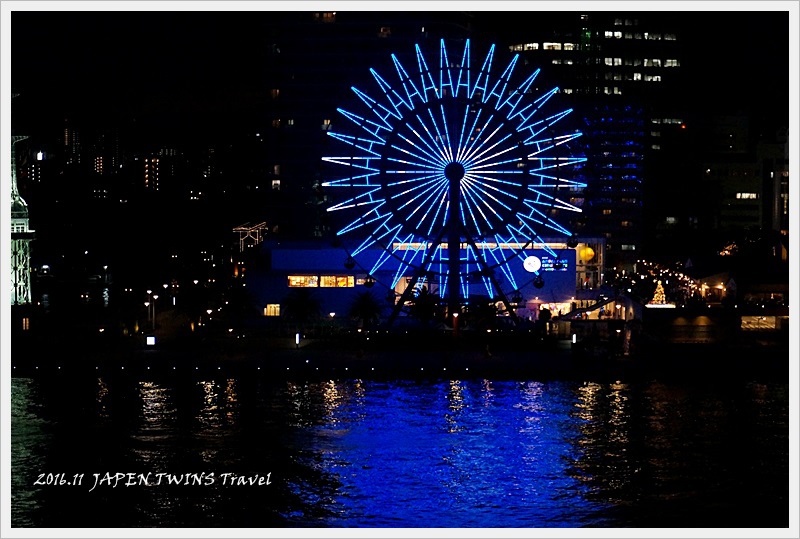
{"x": 454, "y": 168}
{"x": 615, "y": 141}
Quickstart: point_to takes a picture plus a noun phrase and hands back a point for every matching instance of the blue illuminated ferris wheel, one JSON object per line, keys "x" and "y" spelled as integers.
{"x": 454, "y": 172}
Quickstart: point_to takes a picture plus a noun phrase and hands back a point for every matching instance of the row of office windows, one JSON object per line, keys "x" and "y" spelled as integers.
{"x": 324, "y": 281}
{"x": 568, "y": 46}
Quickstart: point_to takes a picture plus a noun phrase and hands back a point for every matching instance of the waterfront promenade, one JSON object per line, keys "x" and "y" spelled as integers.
{"x": 510, "y": 355}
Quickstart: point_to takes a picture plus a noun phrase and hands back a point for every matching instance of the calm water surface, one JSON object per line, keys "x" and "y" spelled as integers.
{"x": 437, "y": 453}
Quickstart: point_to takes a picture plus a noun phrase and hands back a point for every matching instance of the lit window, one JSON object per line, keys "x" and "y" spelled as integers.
{"x": 671, "y": 62}
{"x": 275, "y": 93}
{"x": 747, "y": 196}
{"x": 337, "y": 281}
{"x": 626, "y": 224}
{"x": 276, "y": 184}
{"x": 303, "y": 281}
{"x": 276, "y": 169}
{"x": 385, "y": 31}
{"x": 26, "y": 324}
{"x": 326, "y": 124}
{"x": 272, "y": 309}
{"x": 551, "y": 46}
{"x": 671, "y": 220}
{"x": 627, "y": 247}
{"x": 606, "y": 212}
{"x": 531, "y": 46}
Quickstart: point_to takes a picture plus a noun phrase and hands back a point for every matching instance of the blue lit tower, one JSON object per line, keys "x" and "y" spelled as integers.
{"x": 455, "y": 171}
{"x": 21, "y": 236}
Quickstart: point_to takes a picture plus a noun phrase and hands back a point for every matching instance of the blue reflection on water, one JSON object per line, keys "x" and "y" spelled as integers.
{"x": 447, "y": 453}
{"x": 453, "y": 454}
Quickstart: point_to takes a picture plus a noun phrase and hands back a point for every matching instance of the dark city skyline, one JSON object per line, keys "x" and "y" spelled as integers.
{"x": 185, "y": 72}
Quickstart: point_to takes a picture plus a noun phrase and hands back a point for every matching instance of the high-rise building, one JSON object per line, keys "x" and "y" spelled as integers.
{"x": 615, "y": 70}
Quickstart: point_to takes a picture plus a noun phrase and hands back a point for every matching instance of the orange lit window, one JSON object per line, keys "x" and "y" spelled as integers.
{"x": 272, "y": 309}
{"x": 337, "y": 281}
{"x": 303, "y": 281}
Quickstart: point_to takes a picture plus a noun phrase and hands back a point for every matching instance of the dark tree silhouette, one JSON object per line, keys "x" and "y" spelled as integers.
{"x": 301, "y": 308}
{"x": 365, "y": 310}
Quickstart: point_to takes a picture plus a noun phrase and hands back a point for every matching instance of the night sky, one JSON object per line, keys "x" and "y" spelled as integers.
{"x": 183, "y": 70}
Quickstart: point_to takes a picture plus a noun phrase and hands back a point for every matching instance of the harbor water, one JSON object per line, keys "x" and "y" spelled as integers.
{"x": 238, "y": 450}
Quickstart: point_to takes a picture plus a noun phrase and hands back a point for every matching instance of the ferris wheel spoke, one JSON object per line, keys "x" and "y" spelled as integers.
{"x": 362, "y": 180}
{"x": 483, "y": 77}
{"x": 464, "y": 143}
{"x": 476, "y": 161}
{"x": 408, "y": 84}
{"x": 463, "y": 71}
{"x": 430, "y": 185}
{"x": 504, "y": 78}
{"x": 422, "y": 160}
{"x": 425, "y": 77}
{"x": 536, "y": 128}
{"x": 544, "y": 220}
{"x": 387, "y": 253}
{"x": 548, "y": 163}
{"x": 432, "y": 191}
{"x": 447, "y": 150}
{"x": 484, "y": 189}
{"x": 393, "y": 97}
{"x": 469, "y": 201}
{"x": 434, "y": 152}
{"x": 442, "y": 204}
{"x": 407, "y": 262}
{"x": 547, "y": 200}
{"x": 379, "y": 110}
{"x": 557, "y": 183}
{"x": 364, "y": 199}
{"x": 529, "y": 110}
{"x": 484, "y": 178}
{"x": 445, "y": 77}
{"x": 543, "y": 145}
{"x": 365, "y": 220}
{"x": 515, "y": 97}
{"x": 526, "y": 230}
{"x": 354, "y": 162}
{"x": 501, "y": 261}
{"x": 361, "y": 143}
{"x": 437, "y": 149}
{"x": 367, "y": 125}
{"x": 475, "y": 139}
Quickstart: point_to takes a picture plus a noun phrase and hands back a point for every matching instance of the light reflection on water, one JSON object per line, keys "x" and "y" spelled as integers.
{"x": 447, "y": 453}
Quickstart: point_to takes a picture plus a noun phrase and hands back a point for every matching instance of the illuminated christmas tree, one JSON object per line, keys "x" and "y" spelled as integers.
{"x": 659, "y": 297}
